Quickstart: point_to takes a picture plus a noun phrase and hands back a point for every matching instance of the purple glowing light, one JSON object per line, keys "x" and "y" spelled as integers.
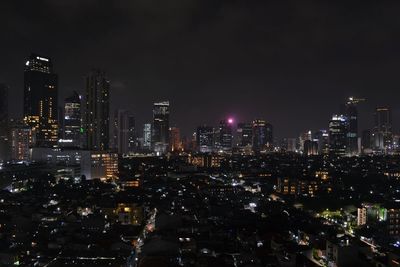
{"x": 230, "y": 121}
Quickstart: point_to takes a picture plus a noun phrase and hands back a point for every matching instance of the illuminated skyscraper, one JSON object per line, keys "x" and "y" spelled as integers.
{"x": 124, "y": 131}
{"x": 351, "y": 113}
{"x": 40, "y": 100}
{"x": 175, "y": 143}
{"x": 322, "y": 139}
{"x": 147, "y": 136}
{"x": 160, "y": 137}
{"x": 72, "y": 120}
{"x": 21, "y": 139}
{"x": 97, "y": 112}
{"x": 205, "y": 139}
{"x": 338, "y": 136}
{"x": 262, "y": 135}
{"x": 244, "y": 134}
{"x": 310, "y": 148}
{"x": 382, "y": 132}
{"x": 226, "y": 134}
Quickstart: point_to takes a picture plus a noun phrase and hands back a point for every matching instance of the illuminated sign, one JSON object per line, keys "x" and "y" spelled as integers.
{"x": 42, "y": 58}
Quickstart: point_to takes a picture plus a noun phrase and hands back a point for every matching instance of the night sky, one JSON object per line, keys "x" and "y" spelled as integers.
{"x": 289, "y": 62}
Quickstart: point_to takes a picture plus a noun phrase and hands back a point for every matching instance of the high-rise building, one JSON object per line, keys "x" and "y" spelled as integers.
{"x": 310, "y": 148}
{"x": 304, "y": 137}
{"x": 259, "y": 135}
{"x": 351, "y": 112}
{"x": 338, "y": 136}
{"x": 205, "y": 139}
{"x": 175, "y": 143}
{"x": 382, "y": 133}
{"x": 21, "y": 140}
{"x": 40, "y": 100}
{"x": 97, "y": 111}
{"x": 322, "y": 138}
{"x": 124, "y": 131}
{"x": 72, "y": 121}
{"x": 226, "y": 134}
{"x": 366, "y": 141}
{"x": 5, "y": 145}
{"x": 160, "y": 137}
{"x": 147, "y": 136}
{"x": 245, "y": 134}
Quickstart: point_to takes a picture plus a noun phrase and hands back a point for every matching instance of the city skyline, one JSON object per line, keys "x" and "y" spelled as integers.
{"x": 253, "y": 73}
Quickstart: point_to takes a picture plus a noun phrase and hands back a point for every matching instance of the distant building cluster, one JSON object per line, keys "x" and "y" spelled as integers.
{"x": 84, "y": 123}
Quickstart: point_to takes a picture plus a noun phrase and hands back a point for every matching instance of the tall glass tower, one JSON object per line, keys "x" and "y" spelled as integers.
{"x": 40, "y": 100}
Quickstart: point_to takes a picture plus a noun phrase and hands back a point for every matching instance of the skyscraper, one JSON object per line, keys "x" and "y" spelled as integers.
{"x": 351, "y": 112}
{"x": 259, "y": 135}
{"x": 124, "y": 131}
{"x": 310, "y": 148}
{"x": 160, "y": 138}
{"x": 322, "y": 139}
{"x": 175, "y": 143}
{"x": 382, "y": 132}
{"x": 226, "y": 134}
{"x": 147, "y": 133}
{"x": 73, "y": 120}
{"x": 21, "y": 139}
{"x": 245, "y": 134}
{"x": 97, "y": 113}
{"x": 40, "y": 100}
{"x": 205, "y": 139}
{"x": 5, "y": 145}
{"x": 338, "y": 136}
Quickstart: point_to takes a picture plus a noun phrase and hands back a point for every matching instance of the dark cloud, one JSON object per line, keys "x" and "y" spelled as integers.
{"x": 290, "y": 62}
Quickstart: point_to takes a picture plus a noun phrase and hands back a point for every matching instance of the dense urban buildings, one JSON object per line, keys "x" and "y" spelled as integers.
{"x": 97, "y": 111}
{"x": 40, "y": 100}
{"x": 209, "y": 140}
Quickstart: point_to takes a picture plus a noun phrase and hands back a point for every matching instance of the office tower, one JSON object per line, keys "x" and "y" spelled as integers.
{"x": 21, "y": 140}
{"x": 351, "y": 113}
{"x": 322, "y": 138}
{"x": 225, "y": 135}
{"x": 366, "y": 141}
{"x": 382, "y": 132}
{"x": 269, "y": 135}
{"x": 310, "y": 148}
{"x": 72, "y": 121}
{"x": 124, "y": 131}
{"x": 175, "y": 143}
{"x": 338, "y": 136}
{"x": 160, "y": 138}
{"x": 147, "y": 136}
{"x": 40, "y": 100}
{"x": 291, "y": 144}
{"x": 97, "y": 111}
{"x": 205, "y": 139}
{"x": 5, "y": 145}
{"x": 259, "y": 135}
{"x": 245, "y": 134}
{"x": 304, "y": 137}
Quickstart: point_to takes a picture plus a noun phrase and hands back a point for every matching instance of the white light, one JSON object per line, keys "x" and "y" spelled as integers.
{"x": 27, "y": 63}
{"x": 42, "y": 58}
